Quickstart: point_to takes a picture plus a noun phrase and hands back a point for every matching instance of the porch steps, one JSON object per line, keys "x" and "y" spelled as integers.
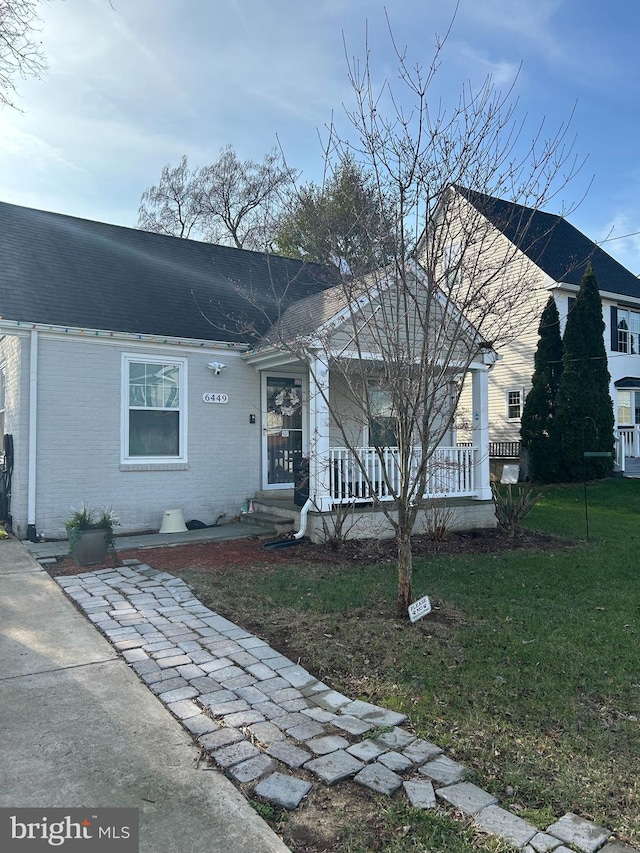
{"x": 282, "y": 519}
{"x": 275, "y": 497}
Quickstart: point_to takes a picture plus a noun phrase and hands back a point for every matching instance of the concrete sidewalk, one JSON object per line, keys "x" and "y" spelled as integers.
{"x": 80, "y": 729}
{"x": 225, "y": 532}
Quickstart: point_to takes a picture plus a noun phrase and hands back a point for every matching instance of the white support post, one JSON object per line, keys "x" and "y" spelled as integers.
{"x": 480, "y": 432}
{"x": 33, "y": 423}
{"x": 319, "y": 484}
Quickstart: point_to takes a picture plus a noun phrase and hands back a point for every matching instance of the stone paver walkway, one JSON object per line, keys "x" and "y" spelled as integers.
{"x": 261, "y": 717}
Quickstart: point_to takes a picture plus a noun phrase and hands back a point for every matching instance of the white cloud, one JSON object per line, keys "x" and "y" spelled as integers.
{"x": 33, "y": 150}
{"x": 478, "y": 64}
{"x": 530, "y": 22}
{"x": 107, "y": 47}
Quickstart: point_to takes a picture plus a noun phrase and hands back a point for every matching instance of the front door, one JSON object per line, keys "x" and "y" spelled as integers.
{"x": 282, "y": 429}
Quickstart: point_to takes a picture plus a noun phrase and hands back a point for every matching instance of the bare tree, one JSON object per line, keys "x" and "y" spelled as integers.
{"x": 228, "y": 201}
{"x": 240, "y": 200}
{"x": 386, "y": 374}
{"x": 21, "y": 54}
{"x": 172, "y": 206}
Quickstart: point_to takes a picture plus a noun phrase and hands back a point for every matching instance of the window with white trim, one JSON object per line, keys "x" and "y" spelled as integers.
{"x": 514, "y": 403}
{"x": 383, "y": 423}
{"x": 625, "y": 330}
{"x": 154, "y": 400}
{"x": 451, "y": 262}
{"x": 628, "y": 407}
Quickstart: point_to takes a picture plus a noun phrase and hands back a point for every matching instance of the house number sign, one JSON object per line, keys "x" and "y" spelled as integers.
{"x": 215, "y": 398}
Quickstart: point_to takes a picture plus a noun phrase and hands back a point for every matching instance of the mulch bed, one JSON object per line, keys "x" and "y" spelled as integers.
{"x": 249, "y": 554}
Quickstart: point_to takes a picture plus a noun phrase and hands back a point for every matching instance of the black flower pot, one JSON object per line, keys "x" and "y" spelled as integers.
{"x": 90, "y": 546}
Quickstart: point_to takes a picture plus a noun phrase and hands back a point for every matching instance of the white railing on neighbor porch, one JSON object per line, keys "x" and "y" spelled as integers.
{"x": 450, "y": 473}
{"x": 629, "y": 438}
{"x": 618, "y": 449}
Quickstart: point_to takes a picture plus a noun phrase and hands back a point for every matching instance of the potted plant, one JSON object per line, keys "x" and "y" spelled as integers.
{"x": 91, "y": 534}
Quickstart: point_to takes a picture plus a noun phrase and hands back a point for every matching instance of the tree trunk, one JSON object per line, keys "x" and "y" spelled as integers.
{"x": 405, "y": 571}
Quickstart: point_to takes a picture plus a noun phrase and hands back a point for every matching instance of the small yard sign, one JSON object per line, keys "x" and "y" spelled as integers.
{"x": 419, "y": 608}
{"x": 215, "y": 398}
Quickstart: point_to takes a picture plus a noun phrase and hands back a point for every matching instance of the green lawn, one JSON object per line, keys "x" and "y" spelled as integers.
{"x": 528, "y": 672}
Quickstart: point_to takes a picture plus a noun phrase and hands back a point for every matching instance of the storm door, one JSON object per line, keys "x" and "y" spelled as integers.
{"x": 283, "y": 430}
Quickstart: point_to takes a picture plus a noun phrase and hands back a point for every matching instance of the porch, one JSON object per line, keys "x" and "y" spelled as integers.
{"x": 366, "y": 520}
{"x": 628, "y": 451}
{"x": 346, "y": 489}
{"x": 314, "y": 428}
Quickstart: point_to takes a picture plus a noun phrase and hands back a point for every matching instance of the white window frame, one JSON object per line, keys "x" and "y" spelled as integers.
{"x": 508, "y": 405}
{"x": 452, "y": 263}
{"x": 629, "y": 333}
{"x": 376, "y": 389}
{"x": 142, "y": 358}
{"x": 630, "y": 395}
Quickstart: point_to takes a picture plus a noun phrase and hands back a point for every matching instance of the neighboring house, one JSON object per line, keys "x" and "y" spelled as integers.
{"x": 553, "y": 256}
{"x": 135, "y": 375}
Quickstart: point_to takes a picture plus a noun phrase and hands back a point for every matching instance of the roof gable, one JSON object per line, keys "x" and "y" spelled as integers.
{"x": 60, "y": 270}
{"x": 553, "y": 244}
{"x": 320, "y": 319}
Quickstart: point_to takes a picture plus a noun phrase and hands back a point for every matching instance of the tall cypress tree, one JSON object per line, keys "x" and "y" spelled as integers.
{"x": 584, "y": 418}
{"x": 538, "y": 437}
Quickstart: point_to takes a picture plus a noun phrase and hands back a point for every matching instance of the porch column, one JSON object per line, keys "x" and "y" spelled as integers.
{"x": 319, "y": 432}
{"x": 480, "y": 431}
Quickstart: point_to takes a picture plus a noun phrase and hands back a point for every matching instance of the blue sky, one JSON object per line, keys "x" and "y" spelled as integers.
{"x": 134, "y": 84}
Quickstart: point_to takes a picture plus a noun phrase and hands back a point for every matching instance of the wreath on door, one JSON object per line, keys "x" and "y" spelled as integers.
{"x": 287, "y": 402}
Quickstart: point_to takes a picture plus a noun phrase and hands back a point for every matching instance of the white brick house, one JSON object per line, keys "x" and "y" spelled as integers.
{"x": 131, "y": 378}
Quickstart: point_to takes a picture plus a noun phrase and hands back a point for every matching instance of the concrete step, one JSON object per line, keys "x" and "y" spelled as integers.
{"x": 260, "y": 518}
{"x": 279, "y": 495}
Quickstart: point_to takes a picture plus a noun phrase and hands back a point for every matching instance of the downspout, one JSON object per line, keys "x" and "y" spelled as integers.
{"x": 277, "y": 544}
{"x": 32, "y": 534}
{"x": 303, "y": 519}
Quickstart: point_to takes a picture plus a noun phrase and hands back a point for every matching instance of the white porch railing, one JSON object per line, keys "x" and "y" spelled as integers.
{"x": 450, "y": 473}
{"x": 629, "y": 438}
{"x": 620, "y": 446}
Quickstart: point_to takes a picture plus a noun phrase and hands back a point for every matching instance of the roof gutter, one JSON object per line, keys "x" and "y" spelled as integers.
{"x": 22, "y": 327}
{"x": 32, "y": 534}
{"x": 611, "y": 295}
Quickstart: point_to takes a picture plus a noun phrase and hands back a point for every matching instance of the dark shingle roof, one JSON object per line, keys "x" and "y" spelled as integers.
{"x": 558, "y": 248}
{"x": 308, "y": 314}
{"x": 59, "y": 270}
